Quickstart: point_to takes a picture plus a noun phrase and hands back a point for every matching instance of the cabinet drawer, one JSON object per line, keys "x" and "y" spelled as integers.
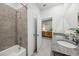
{"x": 47, "y": 34}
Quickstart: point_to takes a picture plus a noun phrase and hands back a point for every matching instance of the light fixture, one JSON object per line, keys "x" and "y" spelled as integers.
{"x": 44, "y": 5}
{"x": 44, "y": 28}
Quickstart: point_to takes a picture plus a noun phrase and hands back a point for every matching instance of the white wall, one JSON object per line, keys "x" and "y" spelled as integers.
{"x": 70, "y": 16}
{"x": 64, "y": 16}
{"x": 57, "y": 17}
{"x": 32, "y": 13}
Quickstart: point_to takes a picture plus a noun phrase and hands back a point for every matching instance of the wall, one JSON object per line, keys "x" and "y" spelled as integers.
{"x": 7, "y": 26}
{"x": 70, "y": 16}
{"x": 33, "y": 13}
{"x": 22, "y": 26}
{"x": 64, "y": 16}
{"x": 57, "y": 17}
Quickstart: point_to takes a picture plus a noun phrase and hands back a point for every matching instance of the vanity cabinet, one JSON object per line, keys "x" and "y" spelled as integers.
{"x": 46, "y": 34}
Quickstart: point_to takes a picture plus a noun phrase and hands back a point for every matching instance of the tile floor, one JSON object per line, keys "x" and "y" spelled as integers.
{"x": 45, "y": 49}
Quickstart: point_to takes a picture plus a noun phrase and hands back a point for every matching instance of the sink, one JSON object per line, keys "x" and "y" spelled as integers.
{"x": 66, "y": 44}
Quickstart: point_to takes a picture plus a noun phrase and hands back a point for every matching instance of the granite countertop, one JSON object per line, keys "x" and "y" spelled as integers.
{"x": 62, "y": 49}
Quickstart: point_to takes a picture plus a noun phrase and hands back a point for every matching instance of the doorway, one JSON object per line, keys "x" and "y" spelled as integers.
{"x": 35, "y": 35}
{"x": 47, "y": 28}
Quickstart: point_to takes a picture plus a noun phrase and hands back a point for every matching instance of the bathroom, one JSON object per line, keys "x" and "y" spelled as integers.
{"x": 64, "y": 41}
{"x": 64, "y": 29}
{"x": 39, "y": 29}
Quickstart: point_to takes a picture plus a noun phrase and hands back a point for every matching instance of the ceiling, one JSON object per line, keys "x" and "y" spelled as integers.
{"x": 43, "y": 6}
{"x": 15, "y": 5}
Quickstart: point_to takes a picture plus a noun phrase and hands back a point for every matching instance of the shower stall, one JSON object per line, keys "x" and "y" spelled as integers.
{"x": 13, "y": 29}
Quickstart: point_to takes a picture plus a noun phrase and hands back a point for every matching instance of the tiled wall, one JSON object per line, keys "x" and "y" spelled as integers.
{"x": 22, "y": 26}
{"x": 7, "y": 26}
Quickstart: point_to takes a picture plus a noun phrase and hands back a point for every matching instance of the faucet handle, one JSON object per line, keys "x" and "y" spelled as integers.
{"x": 76, "y": 41}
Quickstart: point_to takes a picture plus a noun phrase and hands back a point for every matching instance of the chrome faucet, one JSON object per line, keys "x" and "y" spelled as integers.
{"x": 75, "y": 40}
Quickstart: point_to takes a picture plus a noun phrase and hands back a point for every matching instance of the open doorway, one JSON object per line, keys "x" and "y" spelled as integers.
{"x": 47, "y": 28}
{"x": 35, "y": 35}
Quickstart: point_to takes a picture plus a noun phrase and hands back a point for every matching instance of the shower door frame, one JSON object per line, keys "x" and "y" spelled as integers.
{"x": 25, "y": 6}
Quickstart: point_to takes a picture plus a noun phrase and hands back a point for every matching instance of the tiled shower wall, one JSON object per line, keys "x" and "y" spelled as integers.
{"x": 7, "y": 26}
{"x": 22, "y": 26}
{"x": 13, "y": 24}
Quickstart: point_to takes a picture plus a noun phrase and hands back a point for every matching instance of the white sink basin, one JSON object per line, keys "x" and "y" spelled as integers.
{"x": 66, "y": 44}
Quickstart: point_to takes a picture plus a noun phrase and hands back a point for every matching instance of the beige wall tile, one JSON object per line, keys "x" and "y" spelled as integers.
{"x": 22, "y": 26}
{"x": 7, "y": 26}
